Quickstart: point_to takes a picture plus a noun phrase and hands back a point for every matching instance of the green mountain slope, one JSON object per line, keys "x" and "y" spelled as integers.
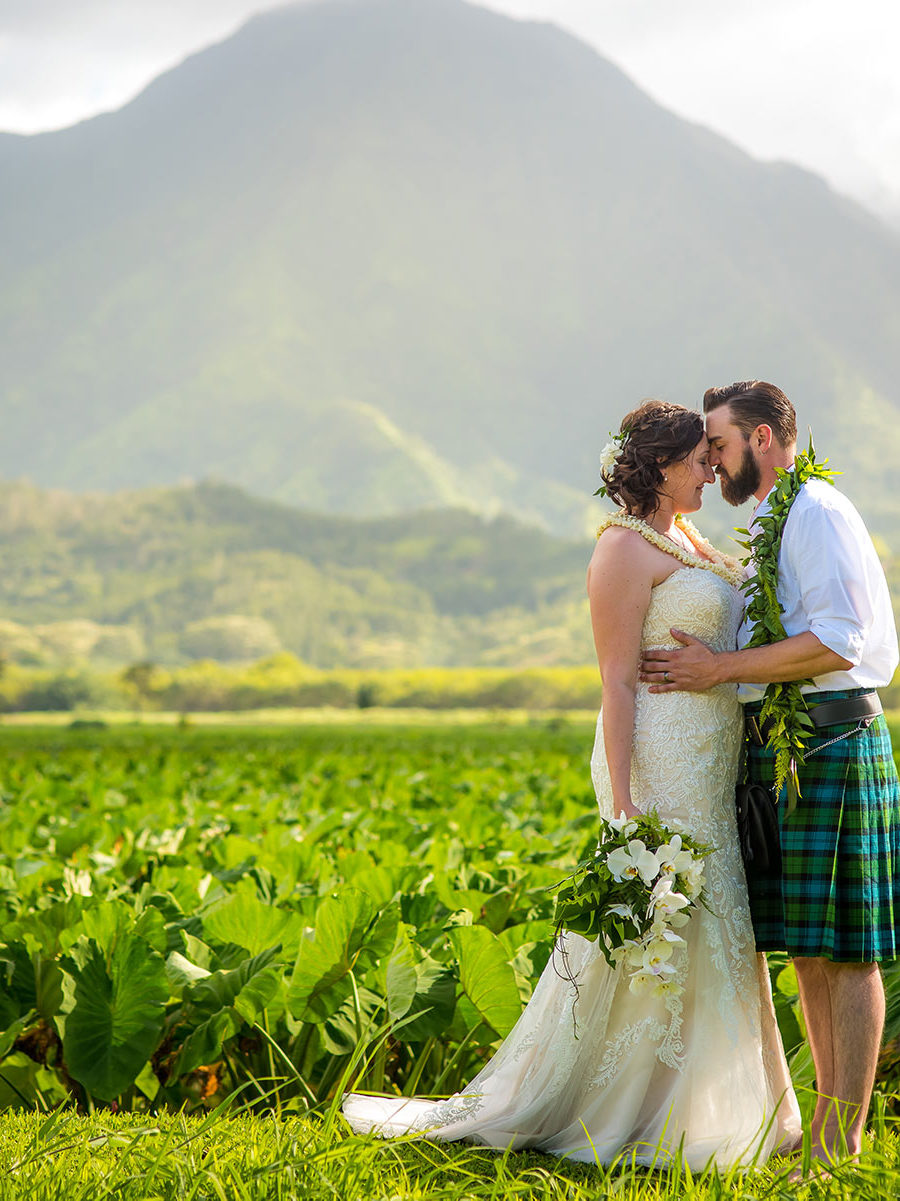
{"x": 207, "y": 571}
{"x": 378, "y": 255}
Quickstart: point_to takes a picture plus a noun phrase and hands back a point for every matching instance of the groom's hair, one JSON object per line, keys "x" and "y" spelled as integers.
{"x": 753, "y": 402}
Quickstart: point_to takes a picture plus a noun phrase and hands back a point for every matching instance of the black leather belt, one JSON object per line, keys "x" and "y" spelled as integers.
{"x": 864, "y": 709}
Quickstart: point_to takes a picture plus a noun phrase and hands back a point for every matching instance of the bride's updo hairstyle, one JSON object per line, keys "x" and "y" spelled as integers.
{"x": 656, "y": 434}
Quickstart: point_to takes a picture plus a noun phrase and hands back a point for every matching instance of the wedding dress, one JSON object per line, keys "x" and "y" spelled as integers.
{"x": 704, "y": 1069}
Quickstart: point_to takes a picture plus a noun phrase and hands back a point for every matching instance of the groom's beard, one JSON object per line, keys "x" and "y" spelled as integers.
{"x": 738, "y": 488}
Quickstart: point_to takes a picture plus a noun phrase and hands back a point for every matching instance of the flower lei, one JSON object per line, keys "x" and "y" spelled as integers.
{"x": 784, "y": 706}
{"x": 723, "y": 566}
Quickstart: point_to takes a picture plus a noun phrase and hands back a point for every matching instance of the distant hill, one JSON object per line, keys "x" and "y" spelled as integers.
{"x": 210, "y": 572}
{"x": 373, "y": 256}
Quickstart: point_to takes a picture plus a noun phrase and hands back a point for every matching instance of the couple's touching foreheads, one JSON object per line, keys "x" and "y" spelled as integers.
{"x": 722, "y": 677}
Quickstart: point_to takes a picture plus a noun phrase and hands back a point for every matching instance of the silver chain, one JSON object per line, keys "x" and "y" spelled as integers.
{"x": 864, "y": 723}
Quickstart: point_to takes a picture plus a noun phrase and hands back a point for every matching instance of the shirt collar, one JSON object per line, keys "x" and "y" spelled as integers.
{"x": 763, "y": 506}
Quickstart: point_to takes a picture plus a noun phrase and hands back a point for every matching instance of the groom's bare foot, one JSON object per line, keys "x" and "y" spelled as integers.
{"x": 824, "y": 1159}
{"x": 818, "y": 1169}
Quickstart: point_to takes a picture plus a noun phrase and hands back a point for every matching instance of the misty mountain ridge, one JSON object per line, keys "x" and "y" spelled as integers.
{"x": 372, "y": 256}
{"x": 206, "y": 571}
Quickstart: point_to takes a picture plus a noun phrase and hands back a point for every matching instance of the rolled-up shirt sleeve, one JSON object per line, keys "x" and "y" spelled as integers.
{"x": 825, "y": 553}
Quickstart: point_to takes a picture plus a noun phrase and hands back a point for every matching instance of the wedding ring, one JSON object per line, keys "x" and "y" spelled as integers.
{"x": 666, "y": 676}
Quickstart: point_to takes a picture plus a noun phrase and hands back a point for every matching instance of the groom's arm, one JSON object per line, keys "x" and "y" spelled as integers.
{"x": 696, "y": 667}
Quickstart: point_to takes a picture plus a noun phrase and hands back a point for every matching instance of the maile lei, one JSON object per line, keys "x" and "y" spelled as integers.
{"x": 784, "y": 707}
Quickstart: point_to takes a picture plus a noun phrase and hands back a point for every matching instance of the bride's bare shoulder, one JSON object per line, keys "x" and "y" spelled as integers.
{"x": 617, "y": 541}
{"x": 619, "y": 549}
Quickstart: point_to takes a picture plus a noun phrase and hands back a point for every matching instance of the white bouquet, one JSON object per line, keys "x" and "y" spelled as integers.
{"x": 636, "y": 891}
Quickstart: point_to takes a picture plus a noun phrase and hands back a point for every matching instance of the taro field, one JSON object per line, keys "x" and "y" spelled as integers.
{"x": 198, "y": 921}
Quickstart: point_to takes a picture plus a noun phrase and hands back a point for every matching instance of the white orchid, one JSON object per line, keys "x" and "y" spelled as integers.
{"x": 623, "y": 825}
{"x": 666, "y": 987}
{"x": 693, "y": 879}
{"x": 673, "y": 860}
{"x": 659, "y": 947}
{"x": 666, "y": 902}
{"x": 642, "y": 982}
{"x": 657, "y": 883}
{"x": 627, "y": 863}
{"x": 633, "y": 952}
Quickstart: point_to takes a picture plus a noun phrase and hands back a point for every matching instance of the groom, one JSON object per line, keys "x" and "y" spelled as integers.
{"x": 835, "y": 907}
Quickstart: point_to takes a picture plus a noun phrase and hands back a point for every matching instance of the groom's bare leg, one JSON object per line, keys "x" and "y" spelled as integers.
{"x": 843, "y": 1006}
{"x": 857, "y": 1014}
{"x": 815, "y": 999}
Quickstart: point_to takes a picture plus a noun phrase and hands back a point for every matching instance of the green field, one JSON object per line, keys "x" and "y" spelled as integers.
{"x": 208, "y": 932}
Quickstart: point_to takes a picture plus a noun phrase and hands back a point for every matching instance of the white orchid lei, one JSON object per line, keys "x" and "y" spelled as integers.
{"x": 641, "y": 884}
{"x": 608, "y": 457}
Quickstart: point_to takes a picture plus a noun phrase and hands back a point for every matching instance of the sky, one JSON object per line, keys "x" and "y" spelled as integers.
{"x": 811, "y": 81}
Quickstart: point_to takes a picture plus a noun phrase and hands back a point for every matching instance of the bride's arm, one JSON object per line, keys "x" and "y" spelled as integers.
{"x": 620, "y": 577}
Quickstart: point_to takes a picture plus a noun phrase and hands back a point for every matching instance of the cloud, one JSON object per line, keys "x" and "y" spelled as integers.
{"x": 61, "y": 60}
{"x": 812, "y": 81}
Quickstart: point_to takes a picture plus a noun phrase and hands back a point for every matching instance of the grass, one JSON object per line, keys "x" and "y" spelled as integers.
{"x": 251, "y": 1157}
{"x": 258, "y": 1158}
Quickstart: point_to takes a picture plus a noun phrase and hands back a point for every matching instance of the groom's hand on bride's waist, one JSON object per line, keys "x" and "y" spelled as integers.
{"x": 693, "y": 668}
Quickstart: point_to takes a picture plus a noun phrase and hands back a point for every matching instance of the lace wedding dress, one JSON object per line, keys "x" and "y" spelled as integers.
{"x": 704, "y": 1069}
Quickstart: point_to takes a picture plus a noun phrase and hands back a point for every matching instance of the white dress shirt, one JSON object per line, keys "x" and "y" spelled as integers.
{"x": 830, "y": 581}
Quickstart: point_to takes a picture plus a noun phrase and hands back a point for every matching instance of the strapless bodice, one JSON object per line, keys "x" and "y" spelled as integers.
{"x": 697, "y": 601}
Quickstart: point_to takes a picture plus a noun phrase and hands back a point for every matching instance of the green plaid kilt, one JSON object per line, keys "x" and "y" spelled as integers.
{"x": 838, "y": 895}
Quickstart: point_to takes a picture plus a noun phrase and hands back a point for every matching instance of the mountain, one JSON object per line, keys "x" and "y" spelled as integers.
{"x": 371, "y": 256}
{"x": 207, "y": 571}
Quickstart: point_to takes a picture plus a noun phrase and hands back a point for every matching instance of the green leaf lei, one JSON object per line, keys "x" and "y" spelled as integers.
{"x": 783, "y": 706}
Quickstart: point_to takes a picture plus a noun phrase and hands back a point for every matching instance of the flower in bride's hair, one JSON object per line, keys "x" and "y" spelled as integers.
{"x": 608, "y": 456}
{"x": 627, "y": 863}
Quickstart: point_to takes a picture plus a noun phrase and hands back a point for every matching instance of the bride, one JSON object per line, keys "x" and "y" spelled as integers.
{"x": 702, "y": 1069}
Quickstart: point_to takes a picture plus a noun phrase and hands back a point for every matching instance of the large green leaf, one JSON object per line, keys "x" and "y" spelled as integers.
{"x": 218, "y": 1004}
{"x": 419, "y": 990}
{"x": 248, "y": 988}
{"x": 11, "y": 1033}
{"x": 340, "y": 1033}
{"x": 400, "y": 975}
{"x": 25, "y": 1084}
{"x": 486, "y": 977}
{"x": 117, "y": 1016}
{"x": 47, "y": 930}
{"x": 28, "y": 981}
{"x": 350, "y": 936}
{"x": 204, "y": 1044}
{"x": 106, "y": 924}
{"x": 180, "y": 971}
{"x": 245, "y": 920}
{"x": 431, "y": 1011}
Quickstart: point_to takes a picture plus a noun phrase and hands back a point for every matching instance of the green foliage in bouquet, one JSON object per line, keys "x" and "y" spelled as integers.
{"x": 642, "y": 880}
